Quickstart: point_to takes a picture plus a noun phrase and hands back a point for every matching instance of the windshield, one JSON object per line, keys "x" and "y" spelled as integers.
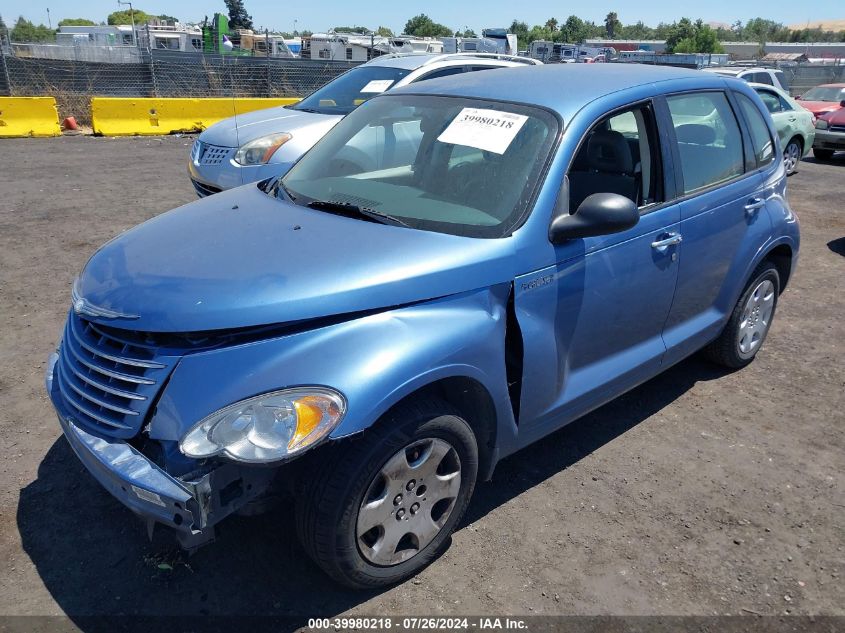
{"x": 351, "y": 89}
{"x": 825, "y": 93}
{"x": 459, "y": 166}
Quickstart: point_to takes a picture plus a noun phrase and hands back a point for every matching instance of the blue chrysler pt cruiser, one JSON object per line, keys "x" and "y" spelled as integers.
{"x": 373, "y": 338}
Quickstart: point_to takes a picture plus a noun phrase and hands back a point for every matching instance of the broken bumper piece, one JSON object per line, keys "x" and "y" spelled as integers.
{"x": 190, "y": 506}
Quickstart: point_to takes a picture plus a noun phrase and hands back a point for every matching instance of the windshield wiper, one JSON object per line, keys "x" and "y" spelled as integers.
{"x": 353, "y": 210}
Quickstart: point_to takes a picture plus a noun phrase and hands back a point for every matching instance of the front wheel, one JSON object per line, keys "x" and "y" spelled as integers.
{"x": 823, "y": 154}
{"x": 792, "y": 156}
{"x": 750, "y": 320}
{"x": 385, "y": 508}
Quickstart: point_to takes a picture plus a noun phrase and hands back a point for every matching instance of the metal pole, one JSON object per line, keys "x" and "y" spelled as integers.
{"x": 5, "y": 65}
{"x": 267, "y": 40}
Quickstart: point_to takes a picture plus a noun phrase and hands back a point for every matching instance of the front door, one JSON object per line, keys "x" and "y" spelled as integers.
{"x": 591, "y": 324}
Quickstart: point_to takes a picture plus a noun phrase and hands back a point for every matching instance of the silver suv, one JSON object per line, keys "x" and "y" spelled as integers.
{"x": 258, "y": 145}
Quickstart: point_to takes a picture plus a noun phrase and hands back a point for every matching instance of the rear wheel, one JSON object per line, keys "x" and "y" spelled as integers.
{"x": 750, "y": 320}
{"x": 386, "y": 507}
{"x": 823, "y": 154}
{"x": 792, "y": 155}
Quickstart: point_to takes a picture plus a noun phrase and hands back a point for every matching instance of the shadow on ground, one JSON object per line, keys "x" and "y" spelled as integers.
{"x": 837, "y": 246}
{"x": 94, "y": 558}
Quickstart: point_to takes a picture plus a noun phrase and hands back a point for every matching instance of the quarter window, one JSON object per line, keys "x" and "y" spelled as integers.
{"x": 443, "y": 72}
{"x": 761, "y": 140}
{"x": 709, "y": 140}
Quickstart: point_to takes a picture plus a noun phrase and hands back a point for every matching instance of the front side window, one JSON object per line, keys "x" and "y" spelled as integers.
{"x": 351, "y": 89}
{"x": 709, "y": 140}
{"x": 761, "y": 140}
{"x": 453, "y": 165}
{"x": 619, "y": 155}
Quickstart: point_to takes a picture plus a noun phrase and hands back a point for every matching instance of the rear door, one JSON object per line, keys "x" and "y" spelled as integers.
{"x": 722, "y": 217}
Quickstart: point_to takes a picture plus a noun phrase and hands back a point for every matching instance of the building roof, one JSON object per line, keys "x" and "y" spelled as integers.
{"x": 784, "y": 57}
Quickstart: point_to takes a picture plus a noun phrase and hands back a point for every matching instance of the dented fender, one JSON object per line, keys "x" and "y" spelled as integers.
{"x": 374, "y": 361}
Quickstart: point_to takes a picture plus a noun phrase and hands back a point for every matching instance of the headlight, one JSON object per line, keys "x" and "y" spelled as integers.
{"x": 267, "y": 428}
{"x": 821, "y": 124}
{"x": 261, "y": 150}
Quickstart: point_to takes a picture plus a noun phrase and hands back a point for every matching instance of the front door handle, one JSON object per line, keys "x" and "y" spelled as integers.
{"x": 670, "y": 240}
{"x": 753, "y": 206}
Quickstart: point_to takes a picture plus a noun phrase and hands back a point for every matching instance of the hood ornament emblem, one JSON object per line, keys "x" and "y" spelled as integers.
{"x": 81, "y": 305}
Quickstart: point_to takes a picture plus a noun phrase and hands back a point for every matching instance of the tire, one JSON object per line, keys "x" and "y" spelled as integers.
{"x": 823, "y": 154}
{"x": 750, "y": 321}
{"x": 792, "y": 154}
{"x": 336, "y": 504}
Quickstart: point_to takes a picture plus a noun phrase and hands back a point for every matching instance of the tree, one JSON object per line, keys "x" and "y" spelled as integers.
{"x": 167, "y": 18}
{"x": 27, "y": 32}
{"x": 238, "y": 17}
{"x": 77, "y": 22}
{"x": 351, "y": 29}
{"x": 383, "y": 31}
{"x": 574, "y": 30}
{"x": 686, "y": 37}
{"x": 520, "y": 29}
{"x": 4, "y": 32}
{"x": 127, "y": 17}
{"x": 638, "y": 31}
{"x": 423, "y": 26}
{"x": 612, "y": 25}
{"x": 551, "y": 24}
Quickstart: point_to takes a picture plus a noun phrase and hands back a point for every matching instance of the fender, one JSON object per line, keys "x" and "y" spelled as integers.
{"x": 374, "y": 361}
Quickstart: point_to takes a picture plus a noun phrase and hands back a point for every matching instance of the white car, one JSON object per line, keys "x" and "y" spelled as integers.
{"x": 767, "y": 76}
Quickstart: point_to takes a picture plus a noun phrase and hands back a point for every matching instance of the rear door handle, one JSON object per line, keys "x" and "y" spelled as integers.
{"x": 665, "y": 243}
{"x": 753, "y": 206}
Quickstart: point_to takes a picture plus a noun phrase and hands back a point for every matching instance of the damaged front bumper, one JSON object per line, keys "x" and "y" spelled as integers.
{"x": 190, "y": 505}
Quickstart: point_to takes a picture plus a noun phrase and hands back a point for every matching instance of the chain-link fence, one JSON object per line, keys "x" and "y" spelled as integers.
{"x": 802, "y": 77}
{"x": 161, "y": 74}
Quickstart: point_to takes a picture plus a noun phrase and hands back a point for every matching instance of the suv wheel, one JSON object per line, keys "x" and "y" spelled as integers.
{"x": 385, "y": 508}
{"x": 750, "y": 320}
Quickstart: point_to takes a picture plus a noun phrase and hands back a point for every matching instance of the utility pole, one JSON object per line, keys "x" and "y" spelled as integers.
{"x": 132, "y": 18}
{"x": 49, "y": 21}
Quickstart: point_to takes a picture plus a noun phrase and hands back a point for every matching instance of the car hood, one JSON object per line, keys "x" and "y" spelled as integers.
{"x": 237, "y": 130}
{"x": 242, "y": 258}
{"x": 819, "y": 107}
{"x": 836, "y": 117}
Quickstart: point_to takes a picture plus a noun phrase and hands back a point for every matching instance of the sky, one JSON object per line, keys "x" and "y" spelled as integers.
{"x": 320, "y": 16}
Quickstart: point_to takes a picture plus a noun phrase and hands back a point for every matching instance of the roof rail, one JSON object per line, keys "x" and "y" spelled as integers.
{"x": 464, "y": 55}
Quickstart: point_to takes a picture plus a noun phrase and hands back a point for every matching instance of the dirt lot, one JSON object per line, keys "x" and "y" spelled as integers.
{"x": 700, "y": 492}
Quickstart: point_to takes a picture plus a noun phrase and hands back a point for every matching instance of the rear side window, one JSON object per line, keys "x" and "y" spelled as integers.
{"x": 771, "y": 101}
{"x": 761, "y": 140}
{"x": 763, "y": 78}
{"x": 709, "y": 140}
{"x": 443, "y": 72}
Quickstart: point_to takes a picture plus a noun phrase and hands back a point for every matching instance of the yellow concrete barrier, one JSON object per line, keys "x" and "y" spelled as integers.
{"x": 112, "y": 116}
{"x": 29, "y": 116}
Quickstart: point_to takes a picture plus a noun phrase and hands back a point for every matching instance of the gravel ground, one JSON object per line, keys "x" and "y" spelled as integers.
{"x": 701, "y": 492}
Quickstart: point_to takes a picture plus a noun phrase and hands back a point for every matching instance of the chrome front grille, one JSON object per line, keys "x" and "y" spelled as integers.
{"x": 107, "y": 383}
{"x": 205, "y": 154}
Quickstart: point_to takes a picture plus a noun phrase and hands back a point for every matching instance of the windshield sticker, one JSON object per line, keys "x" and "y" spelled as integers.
{"x": 489, "y": 130}
{"x": 377, "y": 85}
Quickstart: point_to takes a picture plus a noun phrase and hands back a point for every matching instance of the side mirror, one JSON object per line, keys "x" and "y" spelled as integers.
{"x": 842, "y": 104}
{"x": 598, "y": 214}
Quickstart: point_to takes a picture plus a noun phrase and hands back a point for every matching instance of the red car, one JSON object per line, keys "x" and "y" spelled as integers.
{"x": 823, "y": 99}
{"x": 830, "y": 134}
